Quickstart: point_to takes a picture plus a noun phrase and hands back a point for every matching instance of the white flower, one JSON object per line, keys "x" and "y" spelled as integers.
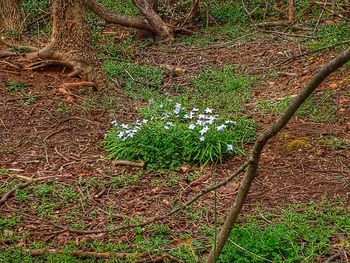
{"x": 192, "y": 126}
{"x": 229, "y": 147}
{"x": 202, "y": 138}
{"x": 221, "y": 127}
{"x": 203, "y": 131}
{"x": 114, "y": 123}
{"x": 144, "y": 121}
{"x": 189, "y": 116}
{"x": 120, "y": 134}
{"x": 166, "y": 127}
{"x": 125, "y": 126}
{"x": 165, "y": 116}
{"x": 161, "y": 105}
{"x": 231, "y": 122}
{"x": 177, "y": 108}
{"x": 200, "y": 123}
{"x": 208, "y": 110}
{"x": 195, "y": 109}
{"x": 201, "y": 116}
{"x": 170, "y": 124}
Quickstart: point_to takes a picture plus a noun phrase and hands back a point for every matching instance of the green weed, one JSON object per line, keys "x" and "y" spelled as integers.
{"x": 318, "y": 108}
{"x": 331, "y": 34}
{"x": 223, "y": 90}
{"x": 7, "y": 149}
{"x": 25, "y": 102}
{"x": 292, "y": 236}
{"x": 16, "y": 86}
{"x": 141, "y": 82}
{"x": 22, "y": 195}
{"x": 124, "y": 180}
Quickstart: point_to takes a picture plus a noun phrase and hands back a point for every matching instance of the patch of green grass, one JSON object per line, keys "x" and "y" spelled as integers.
{"x": 318, "y": 108}
{"x": 4, "y": 171}
{"x": 228, "y": 12}
{"x": 16, "y": 86}
{"x": 292, "y": 236}
{"x": 63, "y": 108}
{"x": 45, "y": 207}
{"x": 214, "y": 33}
{"x": 25, "y": 102}
{"x": 331, "y": 34}
{"x": 22, "y": 195}
{"x": 7, "y": 149}
{"x": 141, "y": 82}
{"x": 223, "y": 90}
{"x": 335, "y": 143}
{"x": 9, "y": 222}
{"x": 124, "y": 180}
{"x": 120, "y": 6}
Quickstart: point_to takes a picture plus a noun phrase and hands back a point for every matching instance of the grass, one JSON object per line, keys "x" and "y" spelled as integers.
{"x": 226, "y": 90}
{"x": 304, "y": 232}
{"x": 140, "y": 81}
{"x": 291, "y": 236}
{"x": 331, "y": 34}
{"x": 16, "y": 86}
{"x": 318, "y": 108}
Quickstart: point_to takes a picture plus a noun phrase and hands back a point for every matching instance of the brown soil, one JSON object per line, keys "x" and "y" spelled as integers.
{"x": 49, "y": 137}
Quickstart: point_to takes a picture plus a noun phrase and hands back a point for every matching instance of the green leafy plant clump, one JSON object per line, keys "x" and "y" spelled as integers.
{"x": 318, "y": 108}
{"x": 173, "y": 136}
{"x": 141, "y": 81}
{"x": 300, "y": 234}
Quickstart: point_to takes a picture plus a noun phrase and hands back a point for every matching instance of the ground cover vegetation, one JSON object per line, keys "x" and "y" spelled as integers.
{"x": 182, "y": 115}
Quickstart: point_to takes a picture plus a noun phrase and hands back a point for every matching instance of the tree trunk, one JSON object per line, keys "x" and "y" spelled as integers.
{"x": 11, "y": 14}
{"x": 71, "y": 42}
{"x": 194, "y": 12}
{"x": 154, "y": 20}
{"x": 259, "y": 145}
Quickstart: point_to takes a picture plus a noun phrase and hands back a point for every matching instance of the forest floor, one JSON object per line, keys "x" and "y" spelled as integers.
{"x": 42, "y": 135}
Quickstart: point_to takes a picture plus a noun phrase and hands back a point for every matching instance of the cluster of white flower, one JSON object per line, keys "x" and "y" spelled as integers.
{"x": 128, "y": 130}
{"x": 202, "y": 121}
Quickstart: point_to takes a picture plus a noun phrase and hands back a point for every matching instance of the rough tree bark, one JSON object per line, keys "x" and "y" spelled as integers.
{"x": 251, "y": 172}
{"x": 71, "y": 43}
{"x": 154, "y": 20}
{"x": 194, "y": 11}
{"x": 11, "y": 14}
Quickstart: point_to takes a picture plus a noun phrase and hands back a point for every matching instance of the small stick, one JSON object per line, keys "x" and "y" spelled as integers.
{"x": 128, "y": 163}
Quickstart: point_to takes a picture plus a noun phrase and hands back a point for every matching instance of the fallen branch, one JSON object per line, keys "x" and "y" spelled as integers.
{"x": 154, "y": 20}
{"x": 259, "y": 145}
{"x": 116, "y": 18}
{"x": 128, "y": 163}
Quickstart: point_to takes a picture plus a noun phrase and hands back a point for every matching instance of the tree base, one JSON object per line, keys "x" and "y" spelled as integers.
{"x": 48, "y": 57}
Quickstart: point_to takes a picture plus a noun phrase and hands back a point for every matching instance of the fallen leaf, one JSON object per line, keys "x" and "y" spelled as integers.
{"x": 341, "y": 101}
{"x": 333, "y": 85}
